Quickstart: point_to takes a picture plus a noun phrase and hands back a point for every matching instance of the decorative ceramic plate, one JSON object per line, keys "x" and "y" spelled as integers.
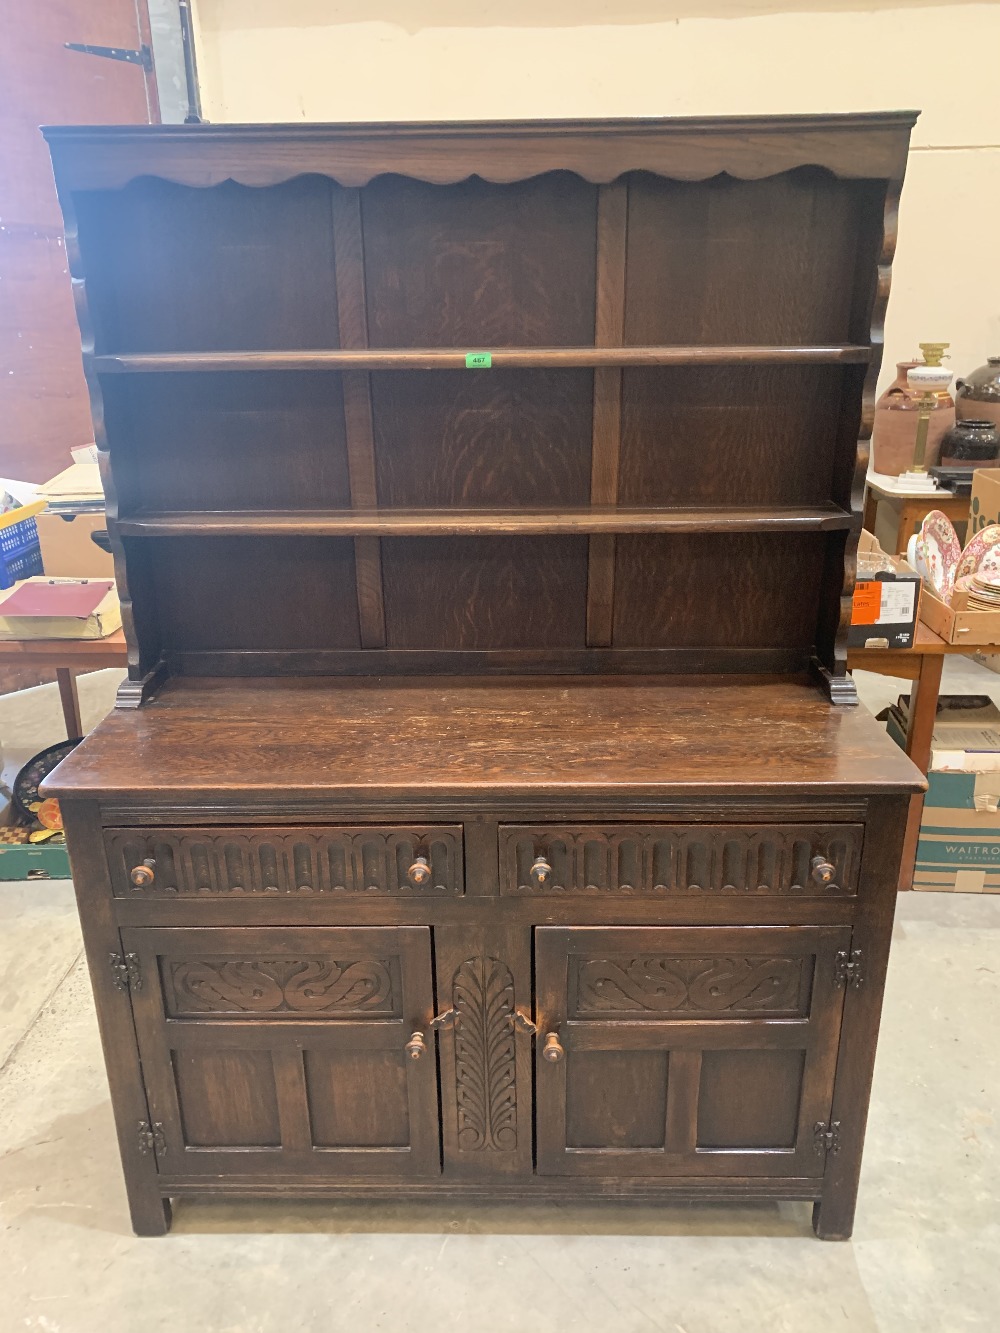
{"x": 982, "y": 555}
{"x": 940, "y": 551}
{"x": 914, "y": 559}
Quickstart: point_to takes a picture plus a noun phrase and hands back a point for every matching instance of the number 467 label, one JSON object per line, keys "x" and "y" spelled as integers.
{"x": 478, "y": 360}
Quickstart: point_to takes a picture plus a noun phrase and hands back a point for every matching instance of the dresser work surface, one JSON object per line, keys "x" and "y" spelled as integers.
{"x": 374, "y": 740}
{"x": 487, "y": 811}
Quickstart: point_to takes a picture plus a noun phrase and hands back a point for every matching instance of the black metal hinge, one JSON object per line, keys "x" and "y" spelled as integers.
{"x": 126, "y": 973}
{"x": 151, "y": 1138}
{"x": 143, "y": 56}
{"x": 826, "y": 1137}
{"x": 848, "y": 969}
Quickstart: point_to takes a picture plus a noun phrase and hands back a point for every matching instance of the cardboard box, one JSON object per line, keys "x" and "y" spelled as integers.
{"x": 984, "y": 506}
{"x": 886, "y": 602}
{"x": 22, "y": 861}
{"x": 67, "y": 550}
{"x": 958, "y": 846}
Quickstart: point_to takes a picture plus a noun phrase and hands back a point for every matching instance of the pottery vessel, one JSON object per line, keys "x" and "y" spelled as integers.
{"x": 894, "y": 433}
{"x": 977, "y": 398}
{"x": 971, "y": 444}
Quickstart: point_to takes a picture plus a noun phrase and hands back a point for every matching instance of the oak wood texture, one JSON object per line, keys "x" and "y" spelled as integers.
{"x": 694, "y": 332}
{"x": 482, "y": 522}
{"x": 361, "y": 740}
{"x": 484, "y": 501}
{"x": 503, "y": 357}
{"x": 754, "y": 1014}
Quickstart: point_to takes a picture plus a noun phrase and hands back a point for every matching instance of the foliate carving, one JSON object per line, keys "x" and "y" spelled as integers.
{"x": 660, "y": 984}
{"x": 655, "y": 860}
{"x": 212, "y": 863}
{"x": 485, "y": 1062}
{"x": 301, "y": 986}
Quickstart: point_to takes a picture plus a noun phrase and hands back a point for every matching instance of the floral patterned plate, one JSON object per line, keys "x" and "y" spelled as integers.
{"x": 939, "y": 552}
{"x": 982, "y": 555}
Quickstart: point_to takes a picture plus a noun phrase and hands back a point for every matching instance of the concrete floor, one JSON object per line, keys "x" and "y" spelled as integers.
{"x": 925, "y": 1257}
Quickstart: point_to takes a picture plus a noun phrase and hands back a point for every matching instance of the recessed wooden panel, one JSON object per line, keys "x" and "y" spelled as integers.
{"x": 752, "y": 590}
{"x": 357, "y": 1099}
{"x": 313, "y": 984}
{"x": 490, "y": 437}
{"x": 485, "y": 592}
{"x": 729, "y": 435}
{"x": 616, "y": 1099}
{"x": 480, "y": 264}
{"x": 686, "y": 1050}
{"x": 252, "y": 442}
{"x": 654, "y": 986}
{"x": 175, "y": 269}
{"x": 209, "y": 592}
{"x": 227, "y": 1098}
{"x": 756, "y": 261}
{"x": 750, "y": 1099}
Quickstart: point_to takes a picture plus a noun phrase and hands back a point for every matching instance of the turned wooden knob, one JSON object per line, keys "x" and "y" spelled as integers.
{"x": 420, "y": 872}
{"x": 416, "y": 1046}
{"x": 822, "y": 871}
{"x": 142, "y": 876}
{"x": 540, "y": 872}
{"x": 553, "y": 1049}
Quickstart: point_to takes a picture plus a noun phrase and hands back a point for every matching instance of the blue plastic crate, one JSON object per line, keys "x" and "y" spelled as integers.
{"x": 20, "y": 553}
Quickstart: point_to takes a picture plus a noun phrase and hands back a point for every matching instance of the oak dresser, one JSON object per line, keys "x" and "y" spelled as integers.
{"x": 487, "y": 811}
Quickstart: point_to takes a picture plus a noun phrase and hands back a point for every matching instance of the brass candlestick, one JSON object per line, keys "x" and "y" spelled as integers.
{"x": 929, "y": 380}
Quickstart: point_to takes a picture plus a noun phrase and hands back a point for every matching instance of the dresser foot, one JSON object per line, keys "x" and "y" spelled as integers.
{"x": 150, "y": 1215}
{"x": 831, "y": 1220}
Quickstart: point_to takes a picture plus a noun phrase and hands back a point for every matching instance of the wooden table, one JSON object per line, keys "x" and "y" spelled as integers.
{"x": 922, "y": 664}
{"x": 910, "y": 508}
{"x": 68, "y": 656}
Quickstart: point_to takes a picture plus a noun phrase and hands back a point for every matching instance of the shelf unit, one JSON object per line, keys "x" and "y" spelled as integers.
{"x": 607, "y": 391}
{"x": 391, "y": 419}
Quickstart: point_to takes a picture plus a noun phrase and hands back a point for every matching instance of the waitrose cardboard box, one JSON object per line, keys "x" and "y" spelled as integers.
{"x": 958, "y": 848}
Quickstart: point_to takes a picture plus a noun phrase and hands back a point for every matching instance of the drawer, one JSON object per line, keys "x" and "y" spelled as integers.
{"x": 654, "y": 860}
{"x": 222, "y": 862}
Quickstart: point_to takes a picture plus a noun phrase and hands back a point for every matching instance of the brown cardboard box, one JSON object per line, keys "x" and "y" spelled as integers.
{"x": 984, "y": 507}
{"x": 68, "y": 552}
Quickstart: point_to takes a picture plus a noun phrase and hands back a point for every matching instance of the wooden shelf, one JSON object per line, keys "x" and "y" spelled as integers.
{"x": 450, "y": 358}
{"x": 480, "y": 522}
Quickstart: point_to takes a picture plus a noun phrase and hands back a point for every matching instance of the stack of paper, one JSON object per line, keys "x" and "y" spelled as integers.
{"x": 42, "y": 608}
{"x": 77, "y": 490}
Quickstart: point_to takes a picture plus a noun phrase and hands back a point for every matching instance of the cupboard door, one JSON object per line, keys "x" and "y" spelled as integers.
{"x": 687, "y": 1051}
{"x": 284, "y": 1051}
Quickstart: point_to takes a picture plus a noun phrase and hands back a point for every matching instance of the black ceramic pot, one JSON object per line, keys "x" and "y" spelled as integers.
{"x": 970, "y": 444}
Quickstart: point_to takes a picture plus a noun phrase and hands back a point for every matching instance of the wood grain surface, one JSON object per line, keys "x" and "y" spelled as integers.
{"x": 370, "y": 738}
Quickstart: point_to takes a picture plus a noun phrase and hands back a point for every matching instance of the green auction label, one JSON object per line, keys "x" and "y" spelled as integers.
{"x": 478, "y": 360}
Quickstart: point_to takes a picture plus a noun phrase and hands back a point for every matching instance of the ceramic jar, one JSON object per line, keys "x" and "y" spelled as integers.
{"x": 970, "y": 444}
{"x": 978, "y": 397}
{"x": 894, "y": 433}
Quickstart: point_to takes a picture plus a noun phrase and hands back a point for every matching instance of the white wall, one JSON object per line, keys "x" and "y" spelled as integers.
{"x": 316, "y": 60}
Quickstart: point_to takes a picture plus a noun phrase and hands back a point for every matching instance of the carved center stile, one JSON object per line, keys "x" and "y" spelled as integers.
{"x": 485, "y": 1063}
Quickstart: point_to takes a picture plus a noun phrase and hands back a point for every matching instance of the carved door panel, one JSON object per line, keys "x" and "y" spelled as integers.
{"x": 285, "y": 1051}
{"x": 687, "y": 1051}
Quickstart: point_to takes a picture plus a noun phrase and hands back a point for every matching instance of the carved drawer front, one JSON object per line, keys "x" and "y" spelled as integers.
{"x": 216, "y": 863}
{"x": 305, "y": 1052}
{"x": 653, "y": 860}
{"x": 688, "y": 1051}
